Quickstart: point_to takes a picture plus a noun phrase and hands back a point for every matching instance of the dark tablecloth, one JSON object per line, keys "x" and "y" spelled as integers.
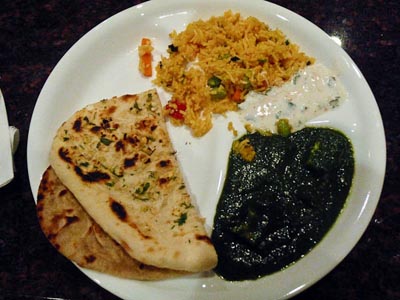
{"x": 35, "y": 34}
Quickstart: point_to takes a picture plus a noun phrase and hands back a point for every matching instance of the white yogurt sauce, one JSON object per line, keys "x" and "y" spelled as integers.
{"x": 311, "y": 92}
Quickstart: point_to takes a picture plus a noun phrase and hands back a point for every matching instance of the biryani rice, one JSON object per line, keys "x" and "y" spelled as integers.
{"x": 243, "y": 53}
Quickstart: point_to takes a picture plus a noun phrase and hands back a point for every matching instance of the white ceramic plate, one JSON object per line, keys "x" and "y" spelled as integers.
{"x": 104, "y": 63}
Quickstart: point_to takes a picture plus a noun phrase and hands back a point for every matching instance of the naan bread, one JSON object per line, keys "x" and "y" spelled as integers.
{"x": 116, "y": 157}
{"x": 75, "y": 235}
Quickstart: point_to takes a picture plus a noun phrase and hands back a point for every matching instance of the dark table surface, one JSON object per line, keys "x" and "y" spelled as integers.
{"x": 35, "y": 34}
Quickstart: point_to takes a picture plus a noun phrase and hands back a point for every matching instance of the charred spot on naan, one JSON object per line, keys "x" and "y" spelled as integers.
{"x": 203, "y": 238}
{"x": 163, "y": 181}
{"x": 64, "y": 155}
{"x": 119, "y": 210}
{"x": 111, "y": 109}
{"x": 147, "y": 124}
{"x": 89, "y": 258}
{"x": 71, "y": 219}
{"x": 129, "y": 98}
{"x": 130, "y": 162}
{"x": 133, "y": 140}
{"x": 39, "y": 205}
{"x": 45, "y": 187}
{"x": 62, "y": 193}
{"x": 95, "y": 129}
{"x": 92, "y": 176}
{"x": 164, "y": 163}
{"x": 62, "y": 220}
{"x": 106, "y": 123}
{"x": 77, "y": 126}
{"x": 120, "y": 146}
{"x": 44, "y": 184}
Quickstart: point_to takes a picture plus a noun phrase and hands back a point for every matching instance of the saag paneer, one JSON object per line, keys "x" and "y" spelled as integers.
{"x": 276, "y": 208}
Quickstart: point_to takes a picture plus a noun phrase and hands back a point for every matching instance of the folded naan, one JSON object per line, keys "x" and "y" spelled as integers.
{"x": 75, "y": 235}
{"x": 117, "y": 159}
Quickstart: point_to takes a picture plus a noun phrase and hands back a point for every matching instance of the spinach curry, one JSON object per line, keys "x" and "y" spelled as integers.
{"x": 276, "y": 208}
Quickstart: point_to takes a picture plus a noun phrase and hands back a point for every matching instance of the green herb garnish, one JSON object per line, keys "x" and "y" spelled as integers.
{"x": 143, "y": 188}
{"x": 105, "y": 141}
{"x": 182, "y": 219}
{"x": 136, "y": 106}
